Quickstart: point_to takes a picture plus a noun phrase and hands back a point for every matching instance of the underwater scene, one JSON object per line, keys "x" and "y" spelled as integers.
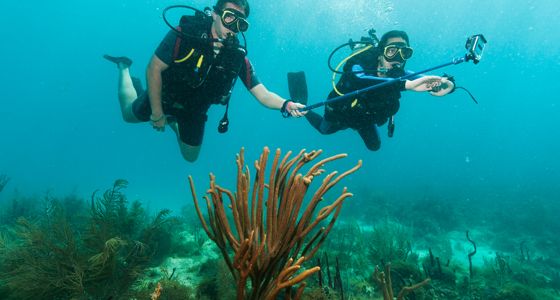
{"x": 239, "y": 149}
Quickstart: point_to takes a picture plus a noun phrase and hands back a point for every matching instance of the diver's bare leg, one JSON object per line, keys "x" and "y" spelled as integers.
{"x": 127, "y": 94}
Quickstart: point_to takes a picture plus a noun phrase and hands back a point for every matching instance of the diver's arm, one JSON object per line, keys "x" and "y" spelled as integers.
{"x": 153, "y": 74}
{"x": 272, "y": 100}
{"x": 436, "y": 85}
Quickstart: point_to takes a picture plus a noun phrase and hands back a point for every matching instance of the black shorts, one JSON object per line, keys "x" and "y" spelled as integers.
{"x": 190, "y": 124}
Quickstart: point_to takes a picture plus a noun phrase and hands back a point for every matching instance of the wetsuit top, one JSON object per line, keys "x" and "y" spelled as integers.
{"x": 199, "y": 75}
{"x": 373, "y": 107}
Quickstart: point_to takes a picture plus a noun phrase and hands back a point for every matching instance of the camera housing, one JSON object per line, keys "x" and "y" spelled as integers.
{"x": 475, "y": 47}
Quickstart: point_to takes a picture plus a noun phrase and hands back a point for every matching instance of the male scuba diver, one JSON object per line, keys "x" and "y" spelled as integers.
{"x": 196, "y": 65}
{"x": 369, "y": 66}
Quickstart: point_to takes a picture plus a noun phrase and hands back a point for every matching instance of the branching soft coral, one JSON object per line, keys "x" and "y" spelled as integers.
{"x": 46, "y": 264}
{"x": 273, "y": 230}
{"x": 55, "y": 259}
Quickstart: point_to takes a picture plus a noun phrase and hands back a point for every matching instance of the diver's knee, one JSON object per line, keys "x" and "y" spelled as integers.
{"x": 129, "y": 117}
{"x": 190, "y": 153}
{"x": 373, "y": 146}
{"x": 190, "y": 158}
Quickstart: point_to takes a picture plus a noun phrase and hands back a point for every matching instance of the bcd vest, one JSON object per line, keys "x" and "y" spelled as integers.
{"x": 198, "y": 77}
{"x": 373, "y": 107}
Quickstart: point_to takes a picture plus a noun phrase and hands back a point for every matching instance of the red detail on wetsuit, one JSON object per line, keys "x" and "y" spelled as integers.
{"x": 249, "y": 70}
{"x": 177, "y": 45}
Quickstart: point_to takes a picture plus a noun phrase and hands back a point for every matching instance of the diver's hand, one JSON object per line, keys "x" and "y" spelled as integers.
{"x": 424, "y": 84}
{"x": 294, "y": 107}
{"x": 158, "y": 122}
{"x": 290, "y": 108}
{"x": 447, "y": 86}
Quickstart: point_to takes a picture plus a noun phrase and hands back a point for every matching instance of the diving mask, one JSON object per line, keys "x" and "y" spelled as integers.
{"x": 391, "y": 51}
{"x": 233, "y": 20}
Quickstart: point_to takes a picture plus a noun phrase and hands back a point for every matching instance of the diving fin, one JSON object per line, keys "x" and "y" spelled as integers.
{"x": 298, "y": 87}
{"x": 127, "y": 62}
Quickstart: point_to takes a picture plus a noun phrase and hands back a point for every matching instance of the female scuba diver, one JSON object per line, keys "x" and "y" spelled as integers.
{"x": 366, "y": 67}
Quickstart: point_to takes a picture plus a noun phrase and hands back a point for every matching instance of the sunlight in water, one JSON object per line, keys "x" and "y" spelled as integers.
{"x": 331, "y": 18}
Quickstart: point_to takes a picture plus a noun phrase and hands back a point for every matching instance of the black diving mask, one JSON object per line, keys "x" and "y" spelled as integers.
{"x": 233, "y": 20}
{"x": 397, "y": 52}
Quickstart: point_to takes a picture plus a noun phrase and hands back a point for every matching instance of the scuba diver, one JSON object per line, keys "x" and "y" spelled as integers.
{"x": 368, "y": 66}
{"x": 196, "y": 65}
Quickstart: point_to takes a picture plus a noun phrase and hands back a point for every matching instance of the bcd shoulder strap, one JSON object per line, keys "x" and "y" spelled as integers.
{"x": 194, "y": 29}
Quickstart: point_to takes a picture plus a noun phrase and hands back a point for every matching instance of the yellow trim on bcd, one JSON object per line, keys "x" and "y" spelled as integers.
{"x": 342, "y": 63}
{"x": 185, "y": 58}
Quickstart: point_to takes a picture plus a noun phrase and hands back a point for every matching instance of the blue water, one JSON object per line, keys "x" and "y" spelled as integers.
{"x": 62, "y": 130}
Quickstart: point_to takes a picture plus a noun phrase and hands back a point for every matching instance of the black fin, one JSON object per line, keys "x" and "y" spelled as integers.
{"x": 119, "y": 60}
{"x": 298, "y": 87}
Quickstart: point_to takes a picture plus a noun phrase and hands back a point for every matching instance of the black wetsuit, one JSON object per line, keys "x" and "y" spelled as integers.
{"x": 197, "y": 77}
{"x": 365, "y": 113}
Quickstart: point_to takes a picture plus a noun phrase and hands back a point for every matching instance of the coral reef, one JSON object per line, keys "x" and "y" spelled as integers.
{"x": 106, "y": 247}
{"x": 331, "y": 282}
{"x": 384, "y": 282}
{"x": 165, "y": 288}
{"x": 271, "y": 236}
{"x": 515, "y": 291}
{"x": 389, "y": 241}
{"x": 100, "y": 257}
